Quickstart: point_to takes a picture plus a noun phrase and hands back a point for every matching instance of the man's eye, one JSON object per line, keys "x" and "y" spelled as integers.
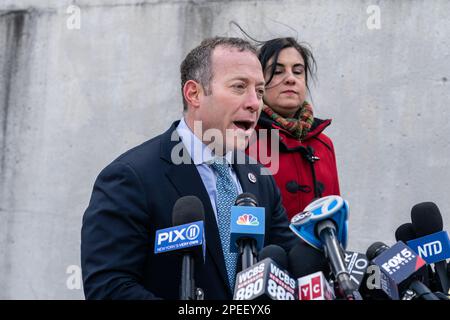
{"x": 239, "y": 86}
{"x": 278, "y": 72}
{"x": 260, "y": 92}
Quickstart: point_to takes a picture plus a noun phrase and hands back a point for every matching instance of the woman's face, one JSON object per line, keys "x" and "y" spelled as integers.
{"x": 287, "y": 90}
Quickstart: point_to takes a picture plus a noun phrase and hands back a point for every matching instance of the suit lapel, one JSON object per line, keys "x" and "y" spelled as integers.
{"x": 187, "y": 181}
{"x": 247, "y": 177}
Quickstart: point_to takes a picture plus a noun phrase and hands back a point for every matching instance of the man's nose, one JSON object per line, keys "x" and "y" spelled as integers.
{"x": 253, "y": 102}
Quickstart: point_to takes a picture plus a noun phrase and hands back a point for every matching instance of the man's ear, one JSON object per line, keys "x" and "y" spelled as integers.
{"x": 192, "y": 91}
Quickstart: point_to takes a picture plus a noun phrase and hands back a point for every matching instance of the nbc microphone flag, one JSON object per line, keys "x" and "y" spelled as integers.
{"x": 247, "y": 222}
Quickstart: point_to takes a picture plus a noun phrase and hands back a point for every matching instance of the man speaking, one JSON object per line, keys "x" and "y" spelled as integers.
{"x": 133, "y": 197}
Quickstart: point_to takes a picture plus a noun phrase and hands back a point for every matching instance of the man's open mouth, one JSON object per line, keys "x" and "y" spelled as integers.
{"x": 243, "y": 124}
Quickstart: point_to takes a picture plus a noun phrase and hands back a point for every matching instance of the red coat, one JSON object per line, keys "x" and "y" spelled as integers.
{"x": 300, "y": 163}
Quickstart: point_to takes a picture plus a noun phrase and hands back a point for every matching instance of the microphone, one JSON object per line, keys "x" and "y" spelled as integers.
{"x": 186, "y": 236}
{"x": 405, "y": 233}
{"x": 378, "y": 285}
{"x": 315, "y": 287}
{"x": 247, "y": 228}
{"x": 323, "y": 225}
{"x": 267, "y": 279}
{"x": 356, "y": 264}
{"x": 311, "y": 269}
{"x": 432, "y": 244}
{"x": 426, "y": 219}
{"x": 304, "y": 259}
{"x": 400, "y": 265}
{"x": 276, "y": 253}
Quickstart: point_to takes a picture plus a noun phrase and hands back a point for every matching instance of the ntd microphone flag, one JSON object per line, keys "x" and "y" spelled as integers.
{"x": 180, "y": 237}
{"x": 399, "y": 262}
{"x": 247, "y": 222}
{"x": 432, "y": 248}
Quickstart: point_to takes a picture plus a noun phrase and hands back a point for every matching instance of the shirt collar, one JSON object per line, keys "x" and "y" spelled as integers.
{"x": 198, "y": 151}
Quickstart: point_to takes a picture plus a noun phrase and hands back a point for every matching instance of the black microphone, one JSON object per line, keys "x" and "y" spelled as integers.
{"x": 304, "y": 260}
{"x": 279, "y": 283}
{"x": 247, "y": 228}
{"x": 186, "y": 210}
{"x": 426, "y": 220}
{"x": 378, "y": 286}
{"x": 266, "y": 279}
{"x": 326, "y": 230}
{"x": 401, "y": 266}
{"x": 246, "y": 199}
{"x": 405, "y": 233}
{"x": 276, "y": 253}
{"x": 312, "y": 271}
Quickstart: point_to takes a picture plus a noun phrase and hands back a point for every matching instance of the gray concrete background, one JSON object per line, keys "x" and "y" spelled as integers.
{"x": 71, "y": 100}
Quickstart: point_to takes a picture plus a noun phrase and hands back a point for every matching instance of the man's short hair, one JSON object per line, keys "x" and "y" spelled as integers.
{"x": 197, "y": 65}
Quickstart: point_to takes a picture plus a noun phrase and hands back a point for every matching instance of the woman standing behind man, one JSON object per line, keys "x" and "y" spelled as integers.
{"x": 307, "y": 164}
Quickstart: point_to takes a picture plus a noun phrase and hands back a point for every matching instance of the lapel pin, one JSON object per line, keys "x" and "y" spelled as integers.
{"x": 252, "y": 177}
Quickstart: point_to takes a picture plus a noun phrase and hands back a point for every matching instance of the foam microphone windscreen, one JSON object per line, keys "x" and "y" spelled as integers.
{"x": 375, "y": 250}
{"x": 276, "y": 253}
{"x": 426, "y": 219}
{"x": 246, "y": 199}
{"x": 186, "y": 210}
{"x": 304, "y": 260}
{"x": 405, "y": 232}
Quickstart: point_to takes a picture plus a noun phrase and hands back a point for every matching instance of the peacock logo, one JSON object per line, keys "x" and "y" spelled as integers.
{"x": 248, "y": 220}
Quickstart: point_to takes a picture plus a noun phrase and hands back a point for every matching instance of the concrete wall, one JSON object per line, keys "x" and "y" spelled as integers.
{"x": 71, "y": 100}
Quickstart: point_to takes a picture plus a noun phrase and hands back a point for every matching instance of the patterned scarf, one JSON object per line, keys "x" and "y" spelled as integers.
{"x": 298, "y": 126}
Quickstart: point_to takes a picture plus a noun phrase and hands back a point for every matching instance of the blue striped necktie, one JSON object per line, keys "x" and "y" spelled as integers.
{"x": 226, "y": 196}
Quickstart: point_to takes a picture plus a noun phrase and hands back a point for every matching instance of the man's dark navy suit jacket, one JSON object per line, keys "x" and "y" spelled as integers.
{"x": 132, "y": 198}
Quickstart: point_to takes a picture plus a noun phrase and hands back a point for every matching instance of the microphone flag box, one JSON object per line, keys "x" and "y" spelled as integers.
{"x": 388, "y": 286}
{"x": 356, "y": 264}
{"x": 315, "y": 287}
{"x": 247, "y": 222}
{"x": 399, "y": 262}
{"x": 180, "y": 237}
{"x": 265, "y": 280}
{"x": 432, "y": 248}
{"x": 333, "y": 208}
